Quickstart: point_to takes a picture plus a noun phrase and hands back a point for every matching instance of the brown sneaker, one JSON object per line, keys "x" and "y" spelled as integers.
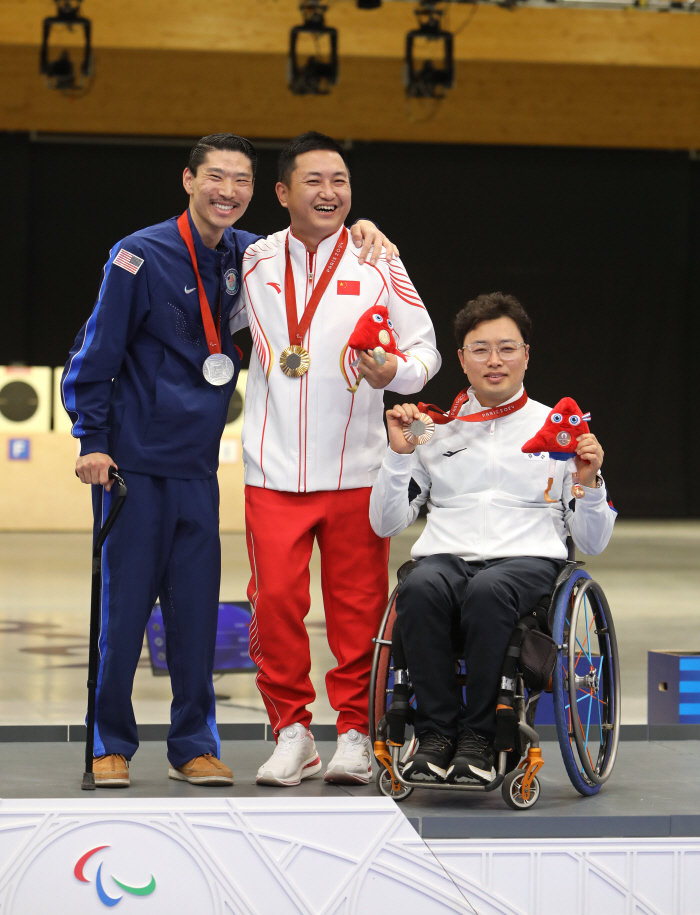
{"x": 111, "y": 771}
{"x": 204, "y": 770}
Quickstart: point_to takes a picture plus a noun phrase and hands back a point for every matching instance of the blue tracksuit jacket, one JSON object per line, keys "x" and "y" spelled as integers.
{"x": 133, "y": 385}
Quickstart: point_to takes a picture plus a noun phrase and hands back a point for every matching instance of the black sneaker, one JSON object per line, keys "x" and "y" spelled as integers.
{"x": 474, "y": 760}
{"x": 431, "y": 759}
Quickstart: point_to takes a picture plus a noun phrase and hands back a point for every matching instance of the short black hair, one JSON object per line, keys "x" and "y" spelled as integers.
{"x": 305, "y": 142}
{"x": 227, "y": 141}
{"x": 490, "y": 307}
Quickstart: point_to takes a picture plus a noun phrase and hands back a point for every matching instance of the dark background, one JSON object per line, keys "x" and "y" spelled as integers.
{"x": 601, "y": 246}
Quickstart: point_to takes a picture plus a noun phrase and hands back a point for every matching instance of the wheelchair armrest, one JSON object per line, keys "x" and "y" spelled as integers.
{"x": 405, "y": 570}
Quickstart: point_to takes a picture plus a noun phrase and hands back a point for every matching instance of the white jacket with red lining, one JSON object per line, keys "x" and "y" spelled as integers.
{"x": 310, "y": 433}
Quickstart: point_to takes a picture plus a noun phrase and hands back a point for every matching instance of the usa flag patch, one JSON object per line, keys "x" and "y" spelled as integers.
{"x": 128, "y": 261}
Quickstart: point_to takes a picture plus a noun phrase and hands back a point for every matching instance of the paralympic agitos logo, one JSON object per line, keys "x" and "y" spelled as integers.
{"x": 99, "y": 886}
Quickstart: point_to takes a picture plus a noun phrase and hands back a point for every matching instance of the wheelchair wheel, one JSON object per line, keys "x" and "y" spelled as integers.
{"x": 586, "y": 682}
{"x": 379, "y": 685}
{"x": 383, "y": 780}
{"x": 511, "y": 789}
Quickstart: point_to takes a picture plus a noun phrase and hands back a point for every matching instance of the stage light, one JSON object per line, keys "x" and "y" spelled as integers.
{"x": 60, "y": 71}
{"x": 315, "y": 73}
{"x": 428, "y": 77}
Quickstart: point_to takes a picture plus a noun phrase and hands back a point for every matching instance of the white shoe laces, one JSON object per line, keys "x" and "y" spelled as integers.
{"x": 289, "y": 739}
{"x": 351, "y": 740}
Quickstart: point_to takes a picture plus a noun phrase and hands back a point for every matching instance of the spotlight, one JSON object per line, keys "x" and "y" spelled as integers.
{"x": 426, "y": 77}
{"x": 59, "y": 71}
{"x": 318, "y": 71}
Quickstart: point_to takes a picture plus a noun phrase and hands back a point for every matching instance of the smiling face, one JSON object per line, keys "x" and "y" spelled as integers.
{"x": 219, "y": 193}
{"x": 318, "y": 196}
{"x": 496, "y": 380}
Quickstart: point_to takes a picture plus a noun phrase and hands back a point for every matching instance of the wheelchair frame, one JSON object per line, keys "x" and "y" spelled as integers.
{"x": 577, "y": 604}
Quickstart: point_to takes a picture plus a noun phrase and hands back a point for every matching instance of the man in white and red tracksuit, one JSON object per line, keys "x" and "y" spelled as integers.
{"x": 312, "y": 450}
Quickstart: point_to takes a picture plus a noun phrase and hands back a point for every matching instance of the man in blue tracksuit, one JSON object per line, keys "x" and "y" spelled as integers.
{"x": 142, "y": 400}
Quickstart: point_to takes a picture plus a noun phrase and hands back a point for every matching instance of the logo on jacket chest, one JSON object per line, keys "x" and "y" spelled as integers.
{"x": 536, "y": 456}
{"x": 231, "y": 281}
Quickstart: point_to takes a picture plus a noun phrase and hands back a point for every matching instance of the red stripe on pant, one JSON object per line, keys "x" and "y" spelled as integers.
{"x": 280, "y": 531}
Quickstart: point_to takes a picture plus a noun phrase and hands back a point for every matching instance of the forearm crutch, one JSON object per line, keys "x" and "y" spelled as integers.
{"x": 116, "y": 506}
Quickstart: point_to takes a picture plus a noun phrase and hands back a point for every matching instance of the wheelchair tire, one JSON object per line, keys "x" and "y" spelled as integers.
{"x": 588, "y": 736}
{"x": 511, "y": 787}
{"x": 383, "y": 780}
{"x": 381, "y": 667}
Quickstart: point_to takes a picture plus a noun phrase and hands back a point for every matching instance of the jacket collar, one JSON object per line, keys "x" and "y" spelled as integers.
{"x": 207, "y": 257}
{"x": 298, "y": 250}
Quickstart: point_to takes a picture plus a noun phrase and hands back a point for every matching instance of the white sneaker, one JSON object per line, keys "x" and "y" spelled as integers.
{"x": 295, "y": 757}
{"x": 352, "y": 762}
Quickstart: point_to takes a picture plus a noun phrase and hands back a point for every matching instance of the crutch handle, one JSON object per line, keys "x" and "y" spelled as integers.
{"x": 114, "y": 510}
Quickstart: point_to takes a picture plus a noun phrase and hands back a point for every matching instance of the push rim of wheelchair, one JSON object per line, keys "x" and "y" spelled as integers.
{"x": 586, "y": 686}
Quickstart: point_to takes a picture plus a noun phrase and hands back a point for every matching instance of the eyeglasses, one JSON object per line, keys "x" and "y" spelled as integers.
{"x": 480, "y": 352}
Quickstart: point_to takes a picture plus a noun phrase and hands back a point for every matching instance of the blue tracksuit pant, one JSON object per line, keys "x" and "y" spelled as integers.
{"x": 165, "y": 543}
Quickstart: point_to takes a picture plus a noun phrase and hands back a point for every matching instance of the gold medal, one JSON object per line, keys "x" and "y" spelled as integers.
{"x": 419, "y": 431}
{"x": 295, "y": 361}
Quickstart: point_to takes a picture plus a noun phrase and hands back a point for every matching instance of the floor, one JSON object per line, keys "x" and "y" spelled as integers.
{"x": 650, "y": 574}
{"x": 652, "y": 791}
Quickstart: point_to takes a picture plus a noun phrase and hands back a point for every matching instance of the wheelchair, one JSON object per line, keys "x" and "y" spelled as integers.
{"x": 582, "y": 671}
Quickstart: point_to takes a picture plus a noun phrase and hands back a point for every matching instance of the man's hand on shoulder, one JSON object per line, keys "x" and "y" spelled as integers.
{"x": 396, "y": 419}
{"x": 589, "y": 459}
{"x": 378, "y": 376}
{"x": 367, "y": 236}
{"x": 94, "y": 468}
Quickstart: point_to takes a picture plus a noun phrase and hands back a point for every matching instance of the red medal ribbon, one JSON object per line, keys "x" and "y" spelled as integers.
{"x": 440, "y": 418}
{"x": 297, "y": 329}
{"x": 210, "y": 329}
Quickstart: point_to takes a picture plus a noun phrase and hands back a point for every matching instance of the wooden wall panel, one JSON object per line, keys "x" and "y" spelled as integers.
{"x": 192, "y": 93}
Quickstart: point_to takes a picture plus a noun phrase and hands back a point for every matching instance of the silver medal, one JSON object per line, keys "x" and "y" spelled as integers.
{"x": 218, "y": 369}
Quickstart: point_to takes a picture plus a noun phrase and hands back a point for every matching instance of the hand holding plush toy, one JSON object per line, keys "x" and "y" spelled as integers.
{"x": 558, "y": 436}
{"x": 374, "y": 332}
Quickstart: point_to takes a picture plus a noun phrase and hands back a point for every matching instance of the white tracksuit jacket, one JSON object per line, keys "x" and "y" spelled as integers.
{"x": 485, "y": 497}
{"x": 310, "y": 433}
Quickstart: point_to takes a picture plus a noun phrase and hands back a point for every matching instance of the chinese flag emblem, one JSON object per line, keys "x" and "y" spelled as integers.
{"x": 348, "y": 287}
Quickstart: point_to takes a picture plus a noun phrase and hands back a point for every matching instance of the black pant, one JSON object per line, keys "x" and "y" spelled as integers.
{"x": 479, "y": 601}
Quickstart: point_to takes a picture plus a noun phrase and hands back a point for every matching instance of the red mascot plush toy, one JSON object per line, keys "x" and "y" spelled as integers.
{"x": 558, "y": 436}
{"x": 374, "y": 333}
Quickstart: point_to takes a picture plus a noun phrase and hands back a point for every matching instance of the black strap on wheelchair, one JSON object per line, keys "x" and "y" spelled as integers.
{"x": 400, "y": 712}
{"x": 506, "y": 716}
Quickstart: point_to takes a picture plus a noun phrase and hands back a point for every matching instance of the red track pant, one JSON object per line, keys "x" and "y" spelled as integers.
{"x": 280, "y": 531}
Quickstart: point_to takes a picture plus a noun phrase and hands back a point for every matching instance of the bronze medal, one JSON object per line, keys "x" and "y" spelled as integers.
{"x": 295, "y": 361}
{"x": 419, "y": 431}
{"x": 577, "y": 491}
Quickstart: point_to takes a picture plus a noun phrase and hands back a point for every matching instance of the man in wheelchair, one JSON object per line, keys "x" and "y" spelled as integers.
{"x": 492, "y": 546}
